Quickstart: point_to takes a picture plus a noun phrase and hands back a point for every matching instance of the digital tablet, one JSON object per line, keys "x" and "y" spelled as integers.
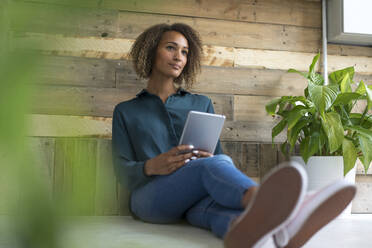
{"x": 202, "y": 130}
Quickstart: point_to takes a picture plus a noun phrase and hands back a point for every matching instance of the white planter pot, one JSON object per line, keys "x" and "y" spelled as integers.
{"x": 323, "y": 170}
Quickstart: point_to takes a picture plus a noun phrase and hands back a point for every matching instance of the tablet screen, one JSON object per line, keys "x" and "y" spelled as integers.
{"x": 202, "y": 130}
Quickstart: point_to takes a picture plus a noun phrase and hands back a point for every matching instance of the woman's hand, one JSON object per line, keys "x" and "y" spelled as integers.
{"x": 170, "y": 161}
{"x": 200, "y": 154}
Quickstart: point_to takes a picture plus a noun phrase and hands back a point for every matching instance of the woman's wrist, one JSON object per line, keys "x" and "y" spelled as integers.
{"x": 147, "y": 168}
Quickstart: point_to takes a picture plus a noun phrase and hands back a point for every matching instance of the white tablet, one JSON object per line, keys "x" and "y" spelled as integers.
{"x": 202, "y": 130}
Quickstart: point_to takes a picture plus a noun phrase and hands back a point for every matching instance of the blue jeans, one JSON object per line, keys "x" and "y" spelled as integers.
{"x": 207, "y": 191}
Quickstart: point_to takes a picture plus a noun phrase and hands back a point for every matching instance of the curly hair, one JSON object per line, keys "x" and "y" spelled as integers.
{"x": 143, "y": 51}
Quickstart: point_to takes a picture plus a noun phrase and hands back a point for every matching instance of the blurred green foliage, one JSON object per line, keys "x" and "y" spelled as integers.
{"x": 29, "y": 216}
{"x": 26, "y": 208}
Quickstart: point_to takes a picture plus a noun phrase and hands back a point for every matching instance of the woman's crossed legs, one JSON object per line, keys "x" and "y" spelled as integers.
{"x": 208, "y": 191}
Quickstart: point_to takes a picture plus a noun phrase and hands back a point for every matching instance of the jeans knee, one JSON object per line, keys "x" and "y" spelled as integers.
{"x": 223, "y": 157}
{"x": 217, "y": 159}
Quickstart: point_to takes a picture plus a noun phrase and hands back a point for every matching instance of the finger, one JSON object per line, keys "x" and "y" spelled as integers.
{"x": 183, "y": 149}
{"x": 204, "y": 154}
{"x": 182, "y": 157}
{"x": 179, "y": 164}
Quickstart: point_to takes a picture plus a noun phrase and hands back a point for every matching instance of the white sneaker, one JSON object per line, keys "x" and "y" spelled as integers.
{"x": 277, "y": 200}
{"x": 316, "y": 211}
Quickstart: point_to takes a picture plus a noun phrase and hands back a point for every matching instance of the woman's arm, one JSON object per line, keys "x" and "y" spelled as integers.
{"x": 128, "y": 170}
{"x": 136, "y": 173}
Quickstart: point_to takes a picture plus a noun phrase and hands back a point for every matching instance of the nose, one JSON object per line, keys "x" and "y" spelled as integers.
{"x": 177, "y": 55}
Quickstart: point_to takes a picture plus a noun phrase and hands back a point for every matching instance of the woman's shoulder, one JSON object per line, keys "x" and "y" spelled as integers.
{"x": 199, "y": 96}
{"x": 126, "y": 105}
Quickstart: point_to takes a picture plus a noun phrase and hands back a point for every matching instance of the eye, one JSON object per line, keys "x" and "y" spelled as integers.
{"x": 170, "y": 48}
{"x": 184, "y": 52}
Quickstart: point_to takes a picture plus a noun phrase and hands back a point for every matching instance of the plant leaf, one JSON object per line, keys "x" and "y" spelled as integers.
{"x": 345, "y": 84}
{"x": 360, "y": 130}
{"x": 366, "y": 147}
{"x": 314, "y": 143}
{"x": 284, "y": 149}
{"x": 271, "y": 106}
{"x": 337, "y": 76}
{"x": 304, "y": 148}
{"x": 364, "y": 89}
{"x": 349, "y": 155}
{"x": 323, "y": 96}
{"x": 361, "y": 89}
{"x": 346, "y": 98}
{"x": 295, "y": 114}
{"x": 278, "y": 129}
{"x": 334, "y": 130}
{"x": 304, "y": 74}
{"x": 293, "y": 133}
{"x": 315, "y": 59}
{"x": 306, "y": 92}
{"x": 355, "y": 120}
{"x": 316, "y": 78}
{"x": 369, "y": 96}
{"x": 309, "y": 146}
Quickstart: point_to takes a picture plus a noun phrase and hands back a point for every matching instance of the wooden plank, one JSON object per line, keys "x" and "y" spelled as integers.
{"x": 213, "y": 55}
{"x": 42, "y": 150}
{"x": 252, "y": 131}
{"x": 78, "y": 100}
{"x": 80, "y": 3}
{"x": 57, "y": 19}
{"x": 244, "y": 155}
{"x": 247, "y": 81}
{"x": 349, "y": 50}
{"x": 223, "y": 104}
{"x": 268, "y": 158}
{"x": 69, "y": 126}
{"x": 225, "y": 80}
{"x": 362, "y": 202}
{"x": 107, "y": 48}
{"x": 106, "y": 201}
{"x": 292, "y": 12}
{"x": 300, "y": 61}
{"x": 75, "y": 174}
{"x": 62, "y": 187}
{"x": 218, "y": 56}
{"x": 250, "y": 158}
{"x": 97, "y": 101}
{"x": 252, "y": 108}
{"x": 40, "y": 18}
{"x": 75, "y": 71}
{"x": 90, "y": 47}
{"x": 228, "y": 33}
{"x": 103, "y": 23}
{"x": 234, "y": 150}
{"x": 84, "y": 176}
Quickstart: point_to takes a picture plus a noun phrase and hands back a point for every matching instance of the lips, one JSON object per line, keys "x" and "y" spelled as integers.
{"x": 177, "y": 67}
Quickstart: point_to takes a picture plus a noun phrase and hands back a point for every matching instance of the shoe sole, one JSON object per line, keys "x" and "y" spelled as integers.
{"x": 272, "y": 205}
{"x": 326, "y": 212}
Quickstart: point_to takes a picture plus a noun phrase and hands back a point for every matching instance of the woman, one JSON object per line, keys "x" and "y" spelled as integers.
{"x": 168, "y": 181}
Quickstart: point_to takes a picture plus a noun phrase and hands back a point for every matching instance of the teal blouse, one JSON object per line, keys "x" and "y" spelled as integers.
{"x": 145, "y": 127}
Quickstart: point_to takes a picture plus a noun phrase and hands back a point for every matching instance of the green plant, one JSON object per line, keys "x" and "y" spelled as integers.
{"x": 322, "y": 121}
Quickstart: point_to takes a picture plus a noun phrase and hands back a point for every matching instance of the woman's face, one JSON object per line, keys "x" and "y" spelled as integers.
{"x": 171, "y": 55}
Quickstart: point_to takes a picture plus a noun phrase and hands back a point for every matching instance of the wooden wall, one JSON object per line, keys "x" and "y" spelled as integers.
{"x": 84, "y": 72}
